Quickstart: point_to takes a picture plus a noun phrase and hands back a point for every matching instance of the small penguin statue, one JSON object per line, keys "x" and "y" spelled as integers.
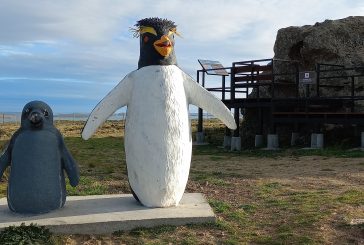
{"x": 158, "y": 142}
{"x": 37, "y": 155}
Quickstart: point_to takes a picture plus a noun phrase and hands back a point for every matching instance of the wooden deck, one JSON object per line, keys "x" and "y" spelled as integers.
{"x": 255, "y": 85}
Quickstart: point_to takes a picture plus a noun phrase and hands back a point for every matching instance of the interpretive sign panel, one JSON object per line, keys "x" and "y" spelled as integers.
{"x": 212, "y": 64}
{"x": 307, "y": 77}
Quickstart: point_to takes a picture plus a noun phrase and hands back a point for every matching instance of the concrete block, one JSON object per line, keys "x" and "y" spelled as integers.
{"x": 200, "y": 138}
{"x": 294, "y": 138}
{"x": 227, "y": 141}
{"x": 362, "y": 140}
{"x": 235, "y": 144}
{"x": 258, "y": 141}
{"x": 105, "y": 214}
{"x": 317, "y": 141}
{"x": 272, "y": 142}
{"x": 320, "y": 141}
{"x": 313, "y": 140}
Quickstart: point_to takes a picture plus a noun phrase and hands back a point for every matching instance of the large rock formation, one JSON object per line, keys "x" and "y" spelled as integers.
{"x": 332, "y": 41}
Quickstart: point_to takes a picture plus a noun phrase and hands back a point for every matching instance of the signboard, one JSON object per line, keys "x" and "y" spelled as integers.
{"x": 307, "y": 77}
{"x": 212, "y": 64}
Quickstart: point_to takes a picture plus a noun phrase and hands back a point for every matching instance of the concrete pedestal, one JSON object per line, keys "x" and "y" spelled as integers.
{"x": 227, "y": 142}
{"x": 272, "y": 142}
{"x": 320, "y": 141}
{"x": 200, "y": 138}
{"x": 105, "y": 214}
{"x": 317, "y": 141}
{"x": 258, "y": 141}
{"x": 294, "y": 138}
{"x": 313, "y": 141}
{"x": 235, "y": 144}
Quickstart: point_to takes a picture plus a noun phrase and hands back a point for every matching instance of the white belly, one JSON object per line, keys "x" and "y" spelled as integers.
{"x": 157, "y": 136}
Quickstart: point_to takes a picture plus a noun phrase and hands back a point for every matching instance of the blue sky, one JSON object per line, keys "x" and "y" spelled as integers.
{"x": 70, "y": 54}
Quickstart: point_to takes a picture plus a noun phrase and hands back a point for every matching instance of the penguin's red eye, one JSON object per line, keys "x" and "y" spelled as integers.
{"x": 145, "y": 39}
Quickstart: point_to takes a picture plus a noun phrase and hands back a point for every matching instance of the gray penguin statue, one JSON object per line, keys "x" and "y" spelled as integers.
{"x": 37, "y": 156}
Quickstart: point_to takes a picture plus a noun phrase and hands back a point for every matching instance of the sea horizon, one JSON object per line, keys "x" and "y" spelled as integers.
{"x": 9, "y": 117}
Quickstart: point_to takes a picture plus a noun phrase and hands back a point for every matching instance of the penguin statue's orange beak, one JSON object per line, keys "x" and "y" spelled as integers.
{"x": 163, "y": 46}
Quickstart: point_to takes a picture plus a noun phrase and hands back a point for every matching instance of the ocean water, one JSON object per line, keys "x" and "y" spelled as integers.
{"x": 15, "y": 117}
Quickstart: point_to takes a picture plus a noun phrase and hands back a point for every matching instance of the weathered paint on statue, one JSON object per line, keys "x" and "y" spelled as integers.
{"x": 158, "y": 142}
{"x": 37, "y": 156}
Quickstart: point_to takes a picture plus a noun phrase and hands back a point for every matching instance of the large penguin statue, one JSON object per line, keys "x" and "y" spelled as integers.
{"x": 158, "y": 141}
{"x": 37, "y": 155}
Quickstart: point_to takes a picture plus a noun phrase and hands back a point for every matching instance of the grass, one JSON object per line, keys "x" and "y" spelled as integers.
{"x": 87, "y": 186}
{"x": 352, "y": 197}
{"x": 255, "y": 198}
{"x": 219, "y": 206}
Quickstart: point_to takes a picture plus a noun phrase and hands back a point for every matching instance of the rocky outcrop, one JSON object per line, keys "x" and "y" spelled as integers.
{"x": 332, "y": 41}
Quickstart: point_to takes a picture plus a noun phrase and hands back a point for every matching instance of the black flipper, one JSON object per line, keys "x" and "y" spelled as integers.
{"x": 5, "y": 158}
{"x": 69, "y": 164}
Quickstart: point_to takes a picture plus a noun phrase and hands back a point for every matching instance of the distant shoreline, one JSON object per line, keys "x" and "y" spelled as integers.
{"x": 15, "y": 117}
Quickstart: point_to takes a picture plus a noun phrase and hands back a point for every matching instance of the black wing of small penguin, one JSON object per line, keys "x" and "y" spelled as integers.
{"x": 68, "y": 163}
{"x": 5, "y": 159}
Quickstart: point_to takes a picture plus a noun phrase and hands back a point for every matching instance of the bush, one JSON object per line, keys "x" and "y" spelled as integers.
{"x": 26, "y": 235}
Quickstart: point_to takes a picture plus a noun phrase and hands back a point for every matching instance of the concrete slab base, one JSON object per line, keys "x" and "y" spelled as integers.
{"x": 105, "y": 214}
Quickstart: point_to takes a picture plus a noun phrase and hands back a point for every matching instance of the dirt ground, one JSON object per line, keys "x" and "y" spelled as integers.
{"x": 295, "y": 174}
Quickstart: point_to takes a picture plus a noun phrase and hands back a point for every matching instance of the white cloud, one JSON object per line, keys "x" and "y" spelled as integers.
{"x": 89, "y": 40}
{"x": 84, "y": 21}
